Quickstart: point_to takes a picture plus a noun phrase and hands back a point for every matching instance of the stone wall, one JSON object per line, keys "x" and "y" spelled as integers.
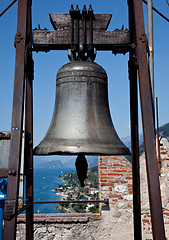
{"x": 60, "y": 227}
{"x": 115, "y": 183}
{"x": 164, "y": 185}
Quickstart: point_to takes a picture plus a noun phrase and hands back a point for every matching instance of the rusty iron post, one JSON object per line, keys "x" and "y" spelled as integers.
{"x": 148, "y": 124}
{"x": 158, "y": 139}
{"x": 151, "y": 47}
{"x": 21, "y": 177}
{"x": 11, "y": 203}
{"x": 134, "y": 128}
{"x": 29, "y": 128}
{"x": 105, "y": 201}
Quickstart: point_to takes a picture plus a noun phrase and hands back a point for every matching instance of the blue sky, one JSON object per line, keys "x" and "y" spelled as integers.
{"x": 47, "y": 64}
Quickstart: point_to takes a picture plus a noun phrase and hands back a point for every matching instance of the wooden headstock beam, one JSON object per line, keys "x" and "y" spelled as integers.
{"x": 60, "y": 38}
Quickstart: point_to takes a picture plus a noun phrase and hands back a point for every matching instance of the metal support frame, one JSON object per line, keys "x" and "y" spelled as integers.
{"x": 134, "y": 128}
{"x": 105, "y": 201}
{"x": 147, "y": 121}
{"x": 22, "y": 76}
{"x": 158, "y": 139}
{"x": 29, "y": 129}
{"x": 137, "y": 46}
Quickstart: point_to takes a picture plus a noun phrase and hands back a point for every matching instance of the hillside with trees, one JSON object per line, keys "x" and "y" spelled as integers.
{"x": 71, "y": 190}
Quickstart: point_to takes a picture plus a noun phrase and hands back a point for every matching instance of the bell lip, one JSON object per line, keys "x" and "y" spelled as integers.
{"x": 125, "y": 152}
{"x": 86, "y": 148}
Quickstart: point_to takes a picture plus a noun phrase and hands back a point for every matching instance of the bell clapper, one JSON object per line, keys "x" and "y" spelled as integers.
{"x": 81, "y": 168}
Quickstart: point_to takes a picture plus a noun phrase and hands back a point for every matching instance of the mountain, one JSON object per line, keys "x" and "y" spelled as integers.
{"x": 62, "y": 161}
{"x": 51, "y": 164}
{"x": 127, "y": 140}
{"x": 92, "y": 162}
{"x": 43, "y": 160}
{"x": 164, "y": 131}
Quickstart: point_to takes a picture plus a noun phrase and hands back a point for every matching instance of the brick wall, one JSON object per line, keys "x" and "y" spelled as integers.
{"x": 115, "y": 179}
{"x": 115, "y": 183}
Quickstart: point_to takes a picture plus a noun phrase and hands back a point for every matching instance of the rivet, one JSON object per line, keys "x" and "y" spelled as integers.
{"x": 18, "y": 41}
{"x": 13, "y": 172}
{"x": 30, "y": 143}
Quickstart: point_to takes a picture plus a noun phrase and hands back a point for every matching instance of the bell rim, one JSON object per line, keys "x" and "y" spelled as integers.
{"x": 86, "y": 150}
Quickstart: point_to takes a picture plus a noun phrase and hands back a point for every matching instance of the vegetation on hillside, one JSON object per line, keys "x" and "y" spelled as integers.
{"x": 71, "y": 190}
{"x": 92, "y": 176}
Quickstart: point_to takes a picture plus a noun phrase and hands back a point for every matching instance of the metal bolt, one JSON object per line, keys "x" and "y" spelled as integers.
{"x": 12, "y": 172}
{"x": 18, "y": 41}
{"x": 19, "y": 34}
{"x": 30, "y": 143}
{"x": 140, "y": 38}
{"x": 106, "y": 201}
{"x": 143, "y": 41}
{"x": 133, "y": 45}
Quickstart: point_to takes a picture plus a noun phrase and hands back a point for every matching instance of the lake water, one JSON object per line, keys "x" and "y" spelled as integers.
{"x": 44, "y": 181}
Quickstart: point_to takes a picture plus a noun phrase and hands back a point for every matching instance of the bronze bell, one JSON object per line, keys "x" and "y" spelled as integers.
{"x": 81, "y": 122}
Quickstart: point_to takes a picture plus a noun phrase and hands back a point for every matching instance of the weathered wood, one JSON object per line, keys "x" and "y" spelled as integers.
{"x": 60, "y": 39}
{"x": 63, "y": 21}
{"x": 3, "y": 172}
